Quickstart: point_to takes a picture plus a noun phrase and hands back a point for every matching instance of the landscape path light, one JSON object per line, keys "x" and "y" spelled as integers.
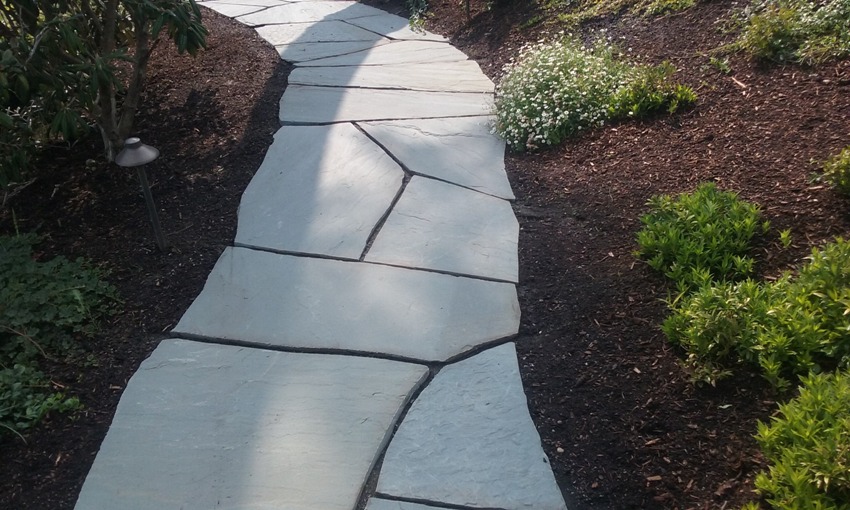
{"x": 136, "y": 154}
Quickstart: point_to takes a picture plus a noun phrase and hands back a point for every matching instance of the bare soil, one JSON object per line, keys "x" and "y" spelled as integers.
{"x": 620, "y": 421}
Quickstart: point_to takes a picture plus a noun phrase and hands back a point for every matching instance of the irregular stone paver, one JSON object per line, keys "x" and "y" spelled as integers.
{"x": 281, "y": 300}
{"x": 320, "y": 190}
{"x": 461, "y": 76}
{"x": 232, "y": 9}
{"x": 323, "y": 31}
{"x": 444, "y": 227}
{"x": 468, "y": 440}
{"x": 302, "y": 104}
{"x": 204, "y": 426}
{"x": 310, "y": 51}
{"x": 260, "y": 3}
{"x": 399, "y": 52}
{"x": 310, "y": 12}
{"x": 462, "y": 151}
{"x": 395, "y": 27}
{"x": 386, "y": 504}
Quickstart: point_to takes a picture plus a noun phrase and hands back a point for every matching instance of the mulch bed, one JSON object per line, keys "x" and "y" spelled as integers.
{"x": 620, "y": 421}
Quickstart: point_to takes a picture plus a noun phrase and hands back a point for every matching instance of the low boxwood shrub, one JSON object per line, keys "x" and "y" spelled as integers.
{"x": 558, "y": 89}
{"x": 699, "y": 237}
{"x": 808, "y": 447}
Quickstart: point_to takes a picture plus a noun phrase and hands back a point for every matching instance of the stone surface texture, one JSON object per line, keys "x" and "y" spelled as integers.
{"x": 322, "y": 105}
{"x": 395, "y": 27}
{"x": 399, "y": 52}
{"x": 460, "y": 76}
{"x": 386, "y": 504}
{"x": 320, "y": 190}
{"x": 300, "y": 302}
{"x": 232, "y": 9}
{"x": 320, "y": 32}
{"x": 468, "y": 440}
{"x": 461, "y": 150}
{"x": 444, "y": 227}
{"x": 205, "y": 426}
{"x": 309, "y": 12}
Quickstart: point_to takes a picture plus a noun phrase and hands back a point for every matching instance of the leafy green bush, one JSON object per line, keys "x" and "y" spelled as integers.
{"x": 559, "y": 89}
{"x": 26, "y": 397}
{"x": 45, "y": 309}
{"x": 649, "y": 91}
{"x": 808, "y": 447}
{"x": 699, "y": 237}
{"x": 787, "y": 327}
{"x": 805, "y": 31}
{"x": 836, "y": 171}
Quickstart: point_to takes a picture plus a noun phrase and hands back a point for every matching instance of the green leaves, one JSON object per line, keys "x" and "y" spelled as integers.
{"x": 808, "y": 446}
{"x": 836, "y": 171}
{"x": 802, "y": 31}
{"x": 707, "y": 231}
{"x": 46, "y": 308}
{"x": 788, "y": 327}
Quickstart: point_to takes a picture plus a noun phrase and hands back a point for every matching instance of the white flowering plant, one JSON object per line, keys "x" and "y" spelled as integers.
{"x": 556, "y": 90}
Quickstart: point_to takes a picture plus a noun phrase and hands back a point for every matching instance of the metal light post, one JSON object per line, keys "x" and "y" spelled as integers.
{"x": 136, "y": 154}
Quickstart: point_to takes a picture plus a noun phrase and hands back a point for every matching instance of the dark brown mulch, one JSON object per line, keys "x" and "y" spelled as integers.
{"x": 620, "y": 421}
{"x": 622, "y": 425}
{"x": 213, "y": 118}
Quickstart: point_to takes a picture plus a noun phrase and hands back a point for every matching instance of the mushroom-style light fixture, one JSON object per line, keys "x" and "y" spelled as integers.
{"x": 136, "y": 154}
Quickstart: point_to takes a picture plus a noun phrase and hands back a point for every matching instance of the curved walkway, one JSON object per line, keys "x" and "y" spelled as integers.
{"x": 360, "y": 327}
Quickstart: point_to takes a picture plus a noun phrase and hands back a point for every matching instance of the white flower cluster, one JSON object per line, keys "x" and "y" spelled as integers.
{"x": 555, "y": 90}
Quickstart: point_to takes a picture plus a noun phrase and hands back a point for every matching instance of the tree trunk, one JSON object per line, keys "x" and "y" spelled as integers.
{"x": 137, "y": 80}
{"x": 106, "y": 91}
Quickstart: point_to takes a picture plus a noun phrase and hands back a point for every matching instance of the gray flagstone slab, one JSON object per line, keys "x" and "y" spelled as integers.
{"x": 310, "y": 12}
{"x": 232, "y": 10}
{"x": 204, "y": 426}
{"x": 301, "y": 302}
{"x": 396, "y": 27}
{"x": 310, "y": 51}
{"x": 444, "y": 227}
{"x": 386, "y": 504}
{"x": 322, "y": 31}
{"x": 399, "y": 52}
{"x": 468, "y": 440}
{"x": 261, "y": 3}
{"x": 460, "y": 76}
{"x": 303, "y": 104}
{"x": 459, "y": 150}
{"x": 320, "y": 190}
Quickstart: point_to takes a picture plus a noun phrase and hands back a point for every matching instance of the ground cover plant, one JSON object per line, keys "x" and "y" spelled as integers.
{"x": 620, "y": 420}
{"x": 700, "y": 237}
{"x": 46, "y": 309}
{"x": 836, "y": 171}
{"x": 808, "y": 446}
{"x": 797, "y": 30}
{"x": 556, "y": 90}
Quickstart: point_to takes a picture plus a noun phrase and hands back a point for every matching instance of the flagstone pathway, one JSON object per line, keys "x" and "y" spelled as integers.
{"x": 360, "y": 326}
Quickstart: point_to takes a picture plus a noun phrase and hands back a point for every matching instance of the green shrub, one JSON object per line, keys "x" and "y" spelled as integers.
{"x": 582, "y": 10}
{"x": 648, "y": 91}
{"x": 798, "y": 30}
{"x": 836, "y": 171}
{"x": 557, "y": 90}
{"x": 46, "y": 308}
{"x": 26, "y": 397}
{"x": 699, "y": 237}
{"x": 808, "y": 447}
{"x": 788, "y": 327}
